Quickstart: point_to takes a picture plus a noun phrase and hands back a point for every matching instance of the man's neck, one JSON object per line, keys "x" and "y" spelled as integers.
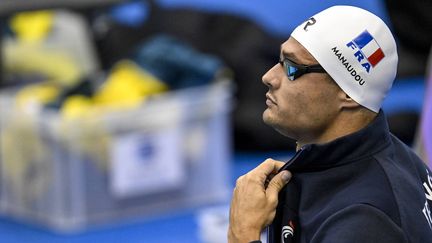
{"x": 343, "y": 125}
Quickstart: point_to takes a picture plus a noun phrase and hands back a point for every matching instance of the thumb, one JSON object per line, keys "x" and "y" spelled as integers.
{"x": 277, "y": 183}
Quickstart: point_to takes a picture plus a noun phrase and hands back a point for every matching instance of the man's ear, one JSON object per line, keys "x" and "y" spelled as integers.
{"x": 346, "y": 101}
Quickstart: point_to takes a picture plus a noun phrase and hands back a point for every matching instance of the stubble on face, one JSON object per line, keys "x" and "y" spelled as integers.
{"x": 295, "y": 114}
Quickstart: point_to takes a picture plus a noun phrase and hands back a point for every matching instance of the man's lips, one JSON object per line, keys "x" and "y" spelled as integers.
{"x": 270, "y": 100}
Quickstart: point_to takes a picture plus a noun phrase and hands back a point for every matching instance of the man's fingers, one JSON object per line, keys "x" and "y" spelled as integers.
{"x": 266, "y": 168}
{"x": 276, "y": 184}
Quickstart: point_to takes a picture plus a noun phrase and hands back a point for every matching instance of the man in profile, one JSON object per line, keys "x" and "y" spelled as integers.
{"x": 351, "y": 180}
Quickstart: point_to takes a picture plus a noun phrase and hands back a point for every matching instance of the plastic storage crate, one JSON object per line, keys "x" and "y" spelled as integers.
{"x": 171, "y": 153}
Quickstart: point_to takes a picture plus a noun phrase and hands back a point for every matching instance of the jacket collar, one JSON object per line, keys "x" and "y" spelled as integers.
{"x": 347, "y": 149}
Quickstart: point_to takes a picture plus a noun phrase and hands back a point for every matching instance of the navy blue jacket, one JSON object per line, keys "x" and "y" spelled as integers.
{"x": 365, "y": 187}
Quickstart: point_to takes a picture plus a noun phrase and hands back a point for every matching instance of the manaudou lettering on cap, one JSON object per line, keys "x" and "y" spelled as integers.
{"x": 348, "y": 66}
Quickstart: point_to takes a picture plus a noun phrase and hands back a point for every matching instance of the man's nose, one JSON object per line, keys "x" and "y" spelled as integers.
{"x": 272, "y": 77}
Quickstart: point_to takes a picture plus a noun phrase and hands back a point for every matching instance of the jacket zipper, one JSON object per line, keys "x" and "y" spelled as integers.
{"x": 285, "y": 167}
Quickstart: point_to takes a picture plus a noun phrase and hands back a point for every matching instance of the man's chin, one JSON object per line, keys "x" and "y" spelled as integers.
{"x": 268, "y": 118}
{"x": 271, "y": 121}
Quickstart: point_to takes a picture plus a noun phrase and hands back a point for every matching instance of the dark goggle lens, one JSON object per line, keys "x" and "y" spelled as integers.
{"x": 290, "y": 70}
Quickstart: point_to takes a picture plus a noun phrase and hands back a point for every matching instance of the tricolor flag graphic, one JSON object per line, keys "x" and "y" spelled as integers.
{"x": 369, "y": 47}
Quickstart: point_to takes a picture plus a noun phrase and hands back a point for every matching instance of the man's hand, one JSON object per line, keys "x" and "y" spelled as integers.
{"x": 253, "y": 205}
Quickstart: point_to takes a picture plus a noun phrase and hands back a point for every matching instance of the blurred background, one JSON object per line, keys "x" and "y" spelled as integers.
{"x": 129, "y": 120}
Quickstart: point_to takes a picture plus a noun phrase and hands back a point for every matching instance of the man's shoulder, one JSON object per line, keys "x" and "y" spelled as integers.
{"x": 398, "y": 151}
{"x": 404, "y": 170}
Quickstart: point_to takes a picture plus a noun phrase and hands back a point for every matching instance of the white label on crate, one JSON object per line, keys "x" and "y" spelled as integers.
{"x": 147, "y": 163}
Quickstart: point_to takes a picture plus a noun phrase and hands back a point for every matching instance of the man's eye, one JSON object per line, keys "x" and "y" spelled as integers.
{"x": 292, "y": 70}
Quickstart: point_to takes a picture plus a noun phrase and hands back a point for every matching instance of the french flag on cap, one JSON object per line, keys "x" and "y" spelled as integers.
{"x": 370, "y": 48}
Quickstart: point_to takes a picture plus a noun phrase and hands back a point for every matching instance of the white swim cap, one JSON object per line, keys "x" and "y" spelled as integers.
{"x": 357, "y": 50}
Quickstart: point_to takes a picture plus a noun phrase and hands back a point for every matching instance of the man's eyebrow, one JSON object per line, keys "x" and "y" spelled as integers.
{"x": 291, "y": 55}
